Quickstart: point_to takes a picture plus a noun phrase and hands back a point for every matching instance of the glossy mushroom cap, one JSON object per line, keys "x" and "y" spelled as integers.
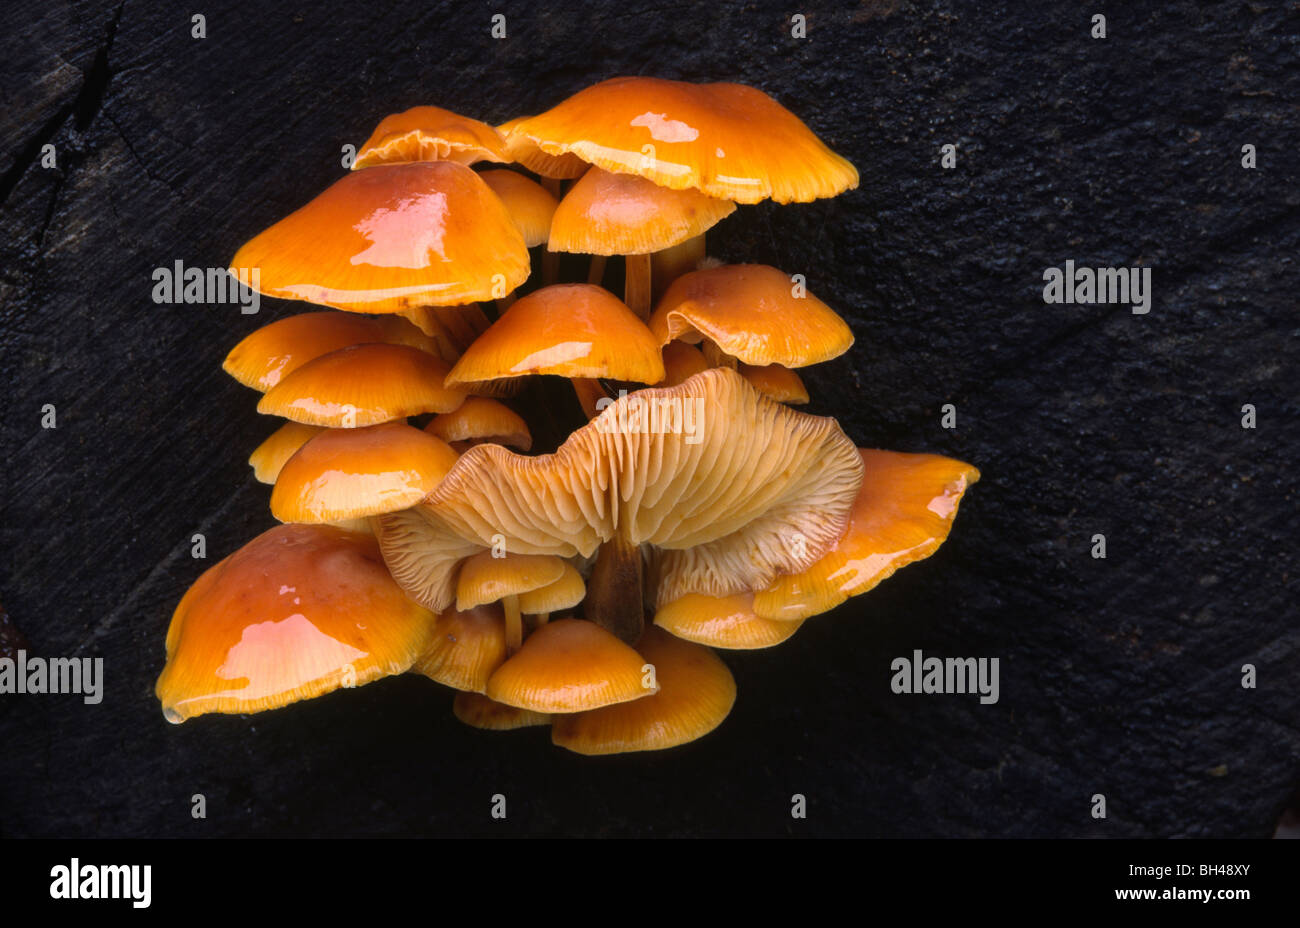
{"x": 567, "y": 666}
{"x": 680, "y": 362}
{"x": 530, "y": 204}
{"x": 482, "y": 419}
{"x": 466, "y": 649}
{"x": 265, "y": 357}
{"x": 270, "y": 456}
{"x": 622, "y": 214}
{"x": 751, "y": 312}
{"x": 722, "y": 622}
{"x": 741, "y": 491}
{"x": 487, "y": 579}
{"x": 902, "y": 513}
{"x": 430, "y": 133}
{"x": 353, "y": 473}
{"x": 564, "y": 593}
{"x": 477, "y": 710}
{"x": 696, "y": 693}
{"x": 524, "y": 151}
{"x": 298, "y": 611}
{"x": 363, "y": 385}
{"x": 390, "y": 238}
{"x": 729, "y": 141}
{"x": 572, "y": 330}
{"x": 779, "y": 383}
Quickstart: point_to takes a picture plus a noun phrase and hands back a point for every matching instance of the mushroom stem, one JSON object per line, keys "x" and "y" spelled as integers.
{"x": 550, "y": 267}
{"x": 514, "y": 624}
{"x": 715, "y": 355}
{"x": 636, "y": 287}
{"x": 596, "y": 273}
{"x": 590, "y": 392}
{"x": 671, "y": 263}
{"x": 505, "y": 302}
{"x": 615, "y": 600}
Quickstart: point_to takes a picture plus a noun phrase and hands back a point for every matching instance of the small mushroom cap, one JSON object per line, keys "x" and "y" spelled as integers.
{"x": 482, "y": 419}
{"x": 390, "y": 238}
{"x": 722, "y": 622}
{"x": 779, "y": 383}
{"x": 524, "y": 151}
{"x": 680, "y": 362}
{"x": 564, "y": 593}
{"x": 298, "y": 611}
{"x": 430, "y": 133}
{"x": 567, "y": 666}
{"x": 487, "y": 579}
{"x": 750, "y": 312}
{"x": 902, "y": 513}
{"x": 270, "y": 456}
{"x": 729, "y": 141}
{"x": 351, "y": 473}
{"x": 477, "y": 710}
{"x": 530, "y": 204}
{"x": 734, "y": 489}
{"x": 571, "y": 330}
{"x": 268, "y": 355}
{"x": 466, "y": 648}
{"x": 622, "y": 214}
{"x": 363, "y": 385}
{"x": 696, "y": 692}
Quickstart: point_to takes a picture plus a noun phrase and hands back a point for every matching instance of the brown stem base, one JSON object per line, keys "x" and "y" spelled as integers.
{"x": 614, "y": 597}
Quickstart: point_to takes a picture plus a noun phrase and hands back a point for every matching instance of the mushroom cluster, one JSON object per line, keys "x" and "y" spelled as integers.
{"x": 685, "y": 505}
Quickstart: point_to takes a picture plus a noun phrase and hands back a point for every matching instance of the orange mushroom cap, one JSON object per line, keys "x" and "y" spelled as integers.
{"x": 430, "y": 133}
{"x": 569, "y": 665}
{"x": 363, "y": 385}
{"x": 564, "y": 593}
{"x": 390, "y": 238}
{"x": 779, "y": 383}
{"x": 722, "y": 622}
{"x": 696, "y": 692}
{"x": 530, "y": 204}
{"x": 466, "y": 648}
{"x": 270, "y": 456}
{"x": 482, "y": 419}
{"x": 298, "y": 611}
{"x": 351, "y": 473}
{"x": 680, "y": 362}
{"x": 268, "y": 355}
{"x": 623, "y": 214}
{"x": 750, "y": 312}
{"x": 902, "y": 513}
{"x": 487, "y": 579}
{"x": 573, "y": 330}
{"x": 477, "y": 710}
{"x": 524, "y": 151}
{"x": 727, "y": 140}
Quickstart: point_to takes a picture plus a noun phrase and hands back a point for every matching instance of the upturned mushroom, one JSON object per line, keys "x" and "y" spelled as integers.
{"x": 732, "y": 489}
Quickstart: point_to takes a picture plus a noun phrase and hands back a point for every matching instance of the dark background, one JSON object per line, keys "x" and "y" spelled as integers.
{"x": 1118, "y": 676}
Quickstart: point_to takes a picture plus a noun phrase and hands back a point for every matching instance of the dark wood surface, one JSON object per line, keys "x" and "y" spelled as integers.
{"x": 1118, "y": 676}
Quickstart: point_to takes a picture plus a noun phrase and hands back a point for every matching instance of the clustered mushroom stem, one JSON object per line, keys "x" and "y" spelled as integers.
{"x": 505, "y": 303}
{"x": 636, "y": 287}
{"x": 596, "y": 273}
{"x": 715, "y": 355}
{"x": 675, "y": 261}
{"x": 550, "y": 267}
{"x": 514, "y": 624}
{"x": 615, "y": 600}
{"x": 590, "y": 392}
